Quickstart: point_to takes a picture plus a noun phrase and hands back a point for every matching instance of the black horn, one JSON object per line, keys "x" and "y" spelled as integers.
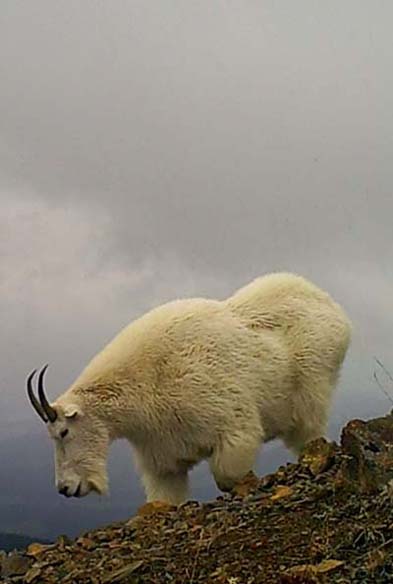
{"x": 49, "y": 411}
{"x": 33, "y": 400}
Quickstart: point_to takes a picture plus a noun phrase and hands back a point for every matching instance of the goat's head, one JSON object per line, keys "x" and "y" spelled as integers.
{"x": 80, "y": 438}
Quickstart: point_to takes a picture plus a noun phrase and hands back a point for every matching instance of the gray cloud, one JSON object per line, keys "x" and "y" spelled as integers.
{"x": 256, "y": 125}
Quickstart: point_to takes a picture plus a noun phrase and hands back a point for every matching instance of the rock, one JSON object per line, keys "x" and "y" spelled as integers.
{"x": 369, "y": 446}
{"x": 308, "y": 572}
{"x": 32, "y": 575}
{"x": 85, "y": 542}
{"x": 155, "y": 507}
{"x": 247, "y": 485}
{"x": 318, "y": 456}
{"x": 15, "y": 564}
{"x": 64, "y": 541}
{"x": 122, "y": 573}
{"x": 281, "y": 492}
{"x": 35, "y": 549}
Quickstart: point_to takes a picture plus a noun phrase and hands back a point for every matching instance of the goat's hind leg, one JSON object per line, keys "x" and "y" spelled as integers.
{"x": 310, "y": 415}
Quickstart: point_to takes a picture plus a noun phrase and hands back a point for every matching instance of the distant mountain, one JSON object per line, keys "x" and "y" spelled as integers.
{"x": 11, "y": 541}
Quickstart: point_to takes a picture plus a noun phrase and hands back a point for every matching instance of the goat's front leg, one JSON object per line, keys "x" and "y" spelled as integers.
{"x": 170, "y": 487}
{"x": 233, "y": 459}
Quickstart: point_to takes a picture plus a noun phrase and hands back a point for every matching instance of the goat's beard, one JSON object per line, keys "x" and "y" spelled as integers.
{"x": 99, "y": 485}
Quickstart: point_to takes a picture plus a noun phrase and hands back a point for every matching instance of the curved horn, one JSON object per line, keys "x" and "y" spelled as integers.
{"x": 49, "y": 411}
{"x": 33, "y": 400}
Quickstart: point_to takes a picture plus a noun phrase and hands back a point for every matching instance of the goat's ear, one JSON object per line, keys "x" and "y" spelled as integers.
{"x": 72, "y": 411}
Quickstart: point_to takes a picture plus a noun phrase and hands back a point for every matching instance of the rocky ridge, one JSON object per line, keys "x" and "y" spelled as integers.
{"x": 327, "y": 518}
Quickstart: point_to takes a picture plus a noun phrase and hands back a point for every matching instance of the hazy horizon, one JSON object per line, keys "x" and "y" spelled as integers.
{"x": 150, "y": 152}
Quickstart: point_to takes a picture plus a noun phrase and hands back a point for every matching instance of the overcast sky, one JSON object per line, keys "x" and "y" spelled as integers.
{"x": 153, "y": 150}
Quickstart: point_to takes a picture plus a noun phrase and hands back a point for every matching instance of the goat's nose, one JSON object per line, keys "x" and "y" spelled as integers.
{"x": 64, "y": 491}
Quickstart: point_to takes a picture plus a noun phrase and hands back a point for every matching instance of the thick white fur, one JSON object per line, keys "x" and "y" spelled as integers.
{"x": 205, "y": 379}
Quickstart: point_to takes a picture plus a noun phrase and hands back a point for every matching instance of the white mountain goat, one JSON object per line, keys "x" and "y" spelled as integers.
{"x": 201, "y": 379}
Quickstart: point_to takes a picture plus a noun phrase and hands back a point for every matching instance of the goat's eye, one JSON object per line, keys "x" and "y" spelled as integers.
{"x": 64, "y": 433}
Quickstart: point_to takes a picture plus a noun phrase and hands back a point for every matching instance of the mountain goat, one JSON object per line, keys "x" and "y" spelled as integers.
{"x": 201, "y": 379}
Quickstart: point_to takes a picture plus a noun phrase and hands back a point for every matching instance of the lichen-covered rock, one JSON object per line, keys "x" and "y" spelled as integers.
{"x": 369, "y": 446}
{"x": 318, "y": 456}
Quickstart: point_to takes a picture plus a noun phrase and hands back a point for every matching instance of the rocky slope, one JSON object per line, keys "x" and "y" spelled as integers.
{"x": 328, "y": 518}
